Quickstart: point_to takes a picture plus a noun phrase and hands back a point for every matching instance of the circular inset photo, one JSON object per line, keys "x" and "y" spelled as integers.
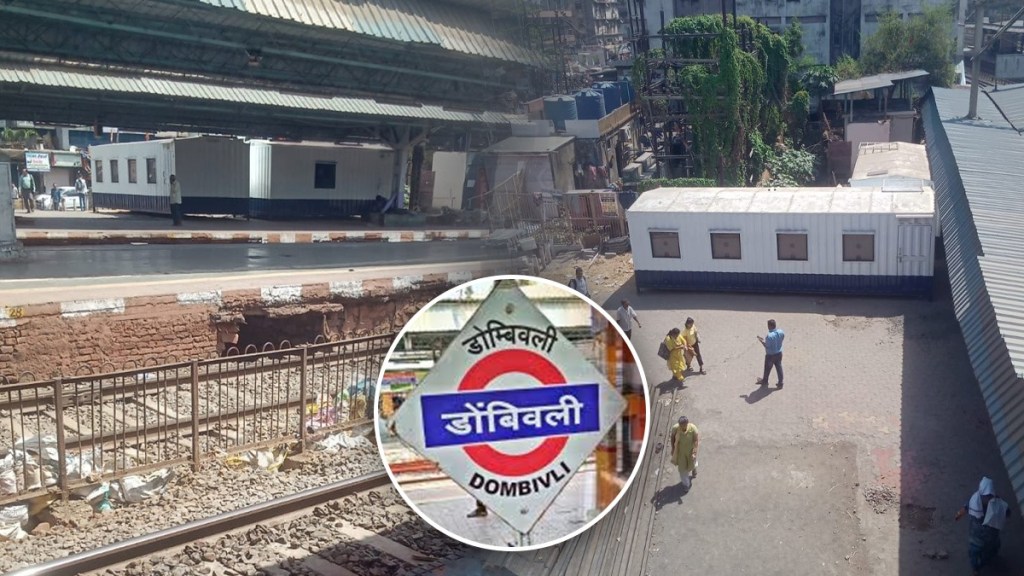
{"x": 511, "y": 413}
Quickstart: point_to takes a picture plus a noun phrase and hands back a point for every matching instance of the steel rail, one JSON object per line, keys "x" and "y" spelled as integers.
{"x": 118, "y": 552}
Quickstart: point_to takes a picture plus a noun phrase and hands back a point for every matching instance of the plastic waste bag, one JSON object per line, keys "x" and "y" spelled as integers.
{"x": 12, "y": 520}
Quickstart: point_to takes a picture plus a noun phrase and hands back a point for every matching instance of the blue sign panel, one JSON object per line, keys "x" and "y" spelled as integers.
{"x": 492, "y": 416}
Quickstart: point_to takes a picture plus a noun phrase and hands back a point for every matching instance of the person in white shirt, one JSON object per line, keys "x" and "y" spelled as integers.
{"x": 175, "y": 200}
{"x": 579, "y": 283}
{"x": 625, "y": 316}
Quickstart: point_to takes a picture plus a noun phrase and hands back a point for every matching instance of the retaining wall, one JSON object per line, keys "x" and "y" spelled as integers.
{"x": 44, "y": 340}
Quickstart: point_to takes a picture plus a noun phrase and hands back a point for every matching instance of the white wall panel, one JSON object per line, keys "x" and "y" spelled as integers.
{"x": 259, "y": 170}
{"x": 759, "y": 243}
{"x": 212, "y": 167}
{"x": 159, "y": 149}
{"x": 362, "y": 173}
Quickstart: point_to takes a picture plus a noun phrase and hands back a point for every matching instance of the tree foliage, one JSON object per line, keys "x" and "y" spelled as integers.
{"x": 654, "y": 183}
{"x": 740, "y": 109}
{"x": 818, "y": 80}
{"x": 18, "y": 136}
{"x": 847, "y": 68}
{"x": 923, "y": 42}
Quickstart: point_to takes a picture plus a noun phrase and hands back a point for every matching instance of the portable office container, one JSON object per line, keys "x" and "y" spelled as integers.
{"x": 316, "y": 180}
{"x": 213, "y": 172}
{"x": 824, "y": 240}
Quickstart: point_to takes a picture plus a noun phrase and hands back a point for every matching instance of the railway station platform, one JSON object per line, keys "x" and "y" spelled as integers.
{"x": 53, "y": 228}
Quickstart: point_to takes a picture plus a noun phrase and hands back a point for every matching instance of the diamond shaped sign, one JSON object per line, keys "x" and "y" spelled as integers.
{"x": 511, "y": 410}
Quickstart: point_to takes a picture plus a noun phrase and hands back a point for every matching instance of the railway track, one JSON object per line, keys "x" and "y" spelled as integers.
{"x": 355, "y": 527}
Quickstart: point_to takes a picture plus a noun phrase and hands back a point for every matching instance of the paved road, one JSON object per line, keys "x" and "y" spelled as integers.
{"x": 151, "y": 260}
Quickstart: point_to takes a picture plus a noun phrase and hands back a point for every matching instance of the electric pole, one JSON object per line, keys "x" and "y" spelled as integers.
{"x": 979, "y": 36}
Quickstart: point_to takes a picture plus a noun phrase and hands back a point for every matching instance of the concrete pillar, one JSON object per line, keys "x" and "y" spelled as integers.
{"x": 401, "y": 170}
{"x": 10, "y": 248}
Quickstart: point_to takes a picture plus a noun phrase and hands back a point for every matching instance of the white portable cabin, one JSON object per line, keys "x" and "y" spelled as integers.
{"x": 817, "y": 240}
{"x": 213, "y": 172}
{"x": 301, "y": 180}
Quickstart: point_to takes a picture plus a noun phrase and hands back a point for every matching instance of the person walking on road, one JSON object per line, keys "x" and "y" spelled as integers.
{"x": 772, "y": 352}
{"x": 175, "y": 200}
{"x": 673, "y": 350}
{"x": 27, "y": 184}
{"x": 625, "y": 316}
{"x": 55, "y": 197}
{"x": 579, "y": 283}
{"x": 988, "y": 514}
{"x": 83, "y": 192}
{"x": 685, "y": 441}
{"x": 692, "y": 339}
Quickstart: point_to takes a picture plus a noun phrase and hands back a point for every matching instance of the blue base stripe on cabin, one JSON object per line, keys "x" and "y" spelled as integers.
{"x": 161, "y": 204}
{"x": 295, "y": 209}
{"x": 784, "y": 283}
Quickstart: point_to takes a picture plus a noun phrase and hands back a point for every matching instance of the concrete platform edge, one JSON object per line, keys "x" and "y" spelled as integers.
{"x": 75, "y": 238}
{"x": 268, "y": 293}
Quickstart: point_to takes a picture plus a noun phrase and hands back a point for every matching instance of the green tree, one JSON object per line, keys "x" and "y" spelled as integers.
{"x": 794, "y": 38}
{"x": 818, "y": 80}
{"x": 923, "y": 42}
{"x": 20, "y": 137}
{"x": 847, "y": 68}
{"x": 747, "y": 93}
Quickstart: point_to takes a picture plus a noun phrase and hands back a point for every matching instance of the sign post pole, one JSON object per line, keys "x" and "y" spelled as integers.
{"x": 607, "y": 487}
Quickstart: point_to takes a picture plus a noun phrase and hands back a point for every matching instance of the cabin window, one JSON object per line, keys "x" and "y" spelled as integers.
{"x": 151, "y": 170}
{"x": 99, "y": 170}
{"x": 324, "y": 175}
{"x": 114, "y": 176}
{"x": 858, "y": 247}
{"x": 725, "y": 246}
{"x": 792, "y": 246}
{"x": 665, "y": 244}
{"x": 133, "y": 171}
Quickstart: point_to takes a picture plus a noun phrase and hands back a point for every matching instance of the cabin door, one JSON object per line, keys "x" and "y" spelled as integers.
{"x": 915, "y": 243}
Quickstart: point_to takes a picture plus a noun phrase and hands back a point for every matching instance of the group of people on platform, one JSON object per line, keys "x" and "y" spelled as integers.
{"x": 987, "y": 511}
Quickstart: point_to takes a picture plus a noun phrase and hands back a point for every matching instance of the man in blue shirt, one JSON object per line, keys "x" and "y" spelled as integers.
{"x": 772, "y": 352}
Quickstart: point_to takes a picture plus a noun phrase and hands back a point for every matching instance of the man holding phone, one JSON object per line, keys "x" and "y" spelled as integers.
{"x": 772, "y": 352}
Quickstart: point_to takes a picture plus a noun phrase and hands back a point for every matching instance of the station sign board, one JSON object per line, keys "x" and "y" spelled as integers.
{"x": 511, "y": 410}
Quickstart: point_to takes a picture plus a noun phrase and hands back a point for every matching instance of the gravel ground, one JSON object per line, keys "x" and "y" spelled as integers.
{"x": 265, "y": 549}
{"x": 385, "y": 513}
{"x": 605, "y": 274}
{"x": 191, "y": 496}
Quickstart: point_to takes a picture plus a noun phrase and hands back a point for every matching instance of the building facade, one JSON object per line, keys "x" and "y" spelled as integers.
{"x": 831, "y": 28}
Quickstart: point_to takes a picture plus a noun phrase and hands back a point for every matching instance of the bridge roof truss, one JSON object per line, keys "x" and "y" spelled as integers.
{"x": 195, "y": 38}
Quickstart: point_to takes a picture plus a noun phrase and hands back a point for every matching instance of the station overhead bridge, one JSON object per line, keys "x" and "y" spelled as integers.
{"x": 448, "y": 52}
{"x": 147, "y": 102}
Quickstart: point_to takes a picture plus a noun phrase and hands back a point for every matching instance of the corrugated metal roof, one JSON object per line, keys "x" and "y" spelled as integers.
{"x": 1010, "y": 100}
{"x": 977, "y": 169}
{"x": 874, "y": 82}
{"x": 784, "y": 200}
{"x": 891, "y": 160}
{"x": 175, "y": 88}
{"x": 529, "y": 144}
{"x": 455, "y": 28}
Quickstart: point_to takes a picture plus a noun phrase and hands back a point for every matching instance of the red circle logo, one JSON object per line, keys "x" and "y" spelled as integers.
{"x": 480, "y": 376}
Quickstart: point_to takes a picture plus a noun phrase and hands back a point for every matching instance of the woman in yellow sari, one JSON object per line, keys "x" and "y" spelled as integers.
{"x": 676, "y": 354}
